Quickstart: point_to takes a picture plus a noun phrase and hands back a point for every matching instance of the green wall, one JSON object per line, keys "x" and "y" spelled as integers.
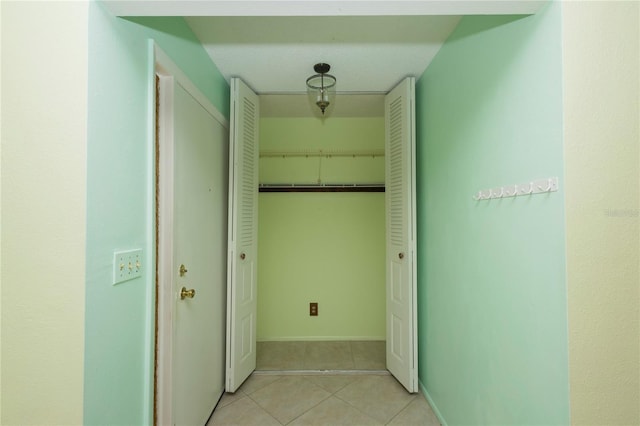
{"x": 333, "y": 134}
{"x": 492, "y": 287}
{"x": 321, "y": 247}
{"x": 118, "y": 379}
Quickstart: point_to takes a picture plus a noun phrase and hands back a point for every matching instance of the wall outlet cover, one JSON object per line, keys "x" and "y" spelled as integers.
{"x": 127, "y": 265}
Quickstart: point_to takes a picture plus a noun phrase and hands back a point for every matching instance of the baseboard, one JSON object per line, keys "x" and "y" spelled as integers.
{"x": 437, "y": 412}
{"x": 320, "y": 338}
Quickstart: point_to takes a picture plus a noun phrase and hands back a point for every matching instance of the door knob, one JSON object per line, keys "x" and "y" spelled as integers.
{"x": 187, "y": 293}
{"x": 183, "y": 270}
{"x": 401, "y": 255}
{"x": 242, "y": 256}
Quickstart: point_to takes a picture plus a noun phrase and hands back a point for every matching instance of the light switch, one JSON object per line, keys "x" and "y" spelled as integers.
{"x": 127, "y": 265}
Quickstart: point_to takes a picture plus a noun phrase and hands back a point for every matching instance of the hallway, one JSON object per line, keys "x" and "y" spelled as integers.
{"x": 536, "y": 298}
{"x": 322, "y": 399}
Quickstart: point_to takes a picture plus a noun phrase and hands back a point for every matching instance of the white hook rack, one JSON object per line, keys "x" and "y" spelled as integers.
{"x": 539, "y": 186}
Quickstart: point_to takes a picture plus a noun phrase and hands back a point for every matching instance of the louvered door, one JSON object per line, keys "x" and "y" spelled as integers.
{"x": 242, "y": 256}
{"x": 401, "y": 234}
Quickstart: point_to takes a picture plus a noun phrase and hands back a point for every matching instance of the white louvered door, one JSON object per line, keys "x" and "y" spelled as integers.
{"x": 401, "y": 234}
{"x": 243, "y": 224}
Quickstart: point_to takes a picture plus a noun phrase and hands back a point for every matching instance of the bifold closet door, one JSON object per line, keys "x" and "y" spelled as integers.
{"x": 401, "y": 234}
{"x": 243, "y": 231}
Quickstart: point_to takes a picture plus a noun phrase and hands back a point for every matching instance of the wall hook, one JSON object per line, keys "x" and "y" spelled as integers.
{"x": 532, "y": 187}
{"x": 547, "y": 189}
{"x": 528, "y": 191}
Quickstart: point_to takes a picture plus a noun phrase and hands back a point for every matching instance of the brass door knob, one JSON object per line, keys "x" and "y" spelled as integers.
{"x": 183, "y": 270}
{"x": 242, "y": 256}
{"x": 401, "y": 255}
{"x": 184, "y": 293}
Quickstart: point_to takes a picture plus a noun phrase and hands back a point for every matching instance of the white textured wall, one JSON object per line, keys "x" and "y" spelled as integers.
{"x": 601, "y": 48}
{"x": 44, "y": 110}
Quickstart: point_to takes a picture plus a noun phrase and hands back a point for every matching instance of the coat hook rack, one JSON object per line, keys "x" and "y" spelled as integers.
{"x": 538, "y": 186}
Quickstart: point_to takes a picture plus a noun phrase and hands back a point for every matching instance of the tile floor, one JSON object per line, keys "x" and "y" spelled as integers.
{"x": 322, "y": 383}
{"x": 336, "y": 355}
{"x": 322, "y": 399}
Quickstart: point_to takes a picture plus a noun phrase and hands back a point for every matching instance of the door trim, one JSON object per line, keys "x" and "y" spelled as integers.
{"x": 164, "y": 229}
{"x": 166, "y": 66}
{"x": 167, "y": 73}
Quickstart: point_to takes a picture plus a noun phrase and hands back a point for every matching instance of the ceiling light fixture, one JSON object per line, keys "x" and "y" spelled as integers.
{"x": 321, "y": 86}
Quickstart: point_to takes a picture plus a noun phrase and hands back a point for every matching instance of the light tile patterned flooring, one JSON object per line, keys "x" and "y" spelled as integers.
{"x": 329, "y": 397}
{"x": 326, "y": 399}
{"x": 332, "y": 355}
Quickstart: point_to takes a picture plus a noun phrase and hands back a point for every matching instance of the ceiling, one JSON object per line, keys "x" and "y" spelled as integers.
{"x": 273, "y": 44}
{"x": 366, "y": 53}
{"x": 321, "y": 7}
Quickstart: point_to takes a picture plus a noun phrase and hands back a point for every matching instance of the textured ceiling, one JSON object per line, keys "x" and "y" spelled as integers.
{"x": 366, "y": 53}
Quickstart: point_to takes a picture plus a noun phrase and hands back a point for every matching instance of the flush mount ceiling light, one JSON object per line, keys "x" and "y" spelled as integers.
{"x": 321, "y": 86}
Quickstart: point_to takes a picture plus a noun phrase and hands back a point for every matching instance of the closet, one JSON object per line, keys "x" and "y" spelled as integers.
{"x": 321, "y": 234}
{"x": 324, "y": 242}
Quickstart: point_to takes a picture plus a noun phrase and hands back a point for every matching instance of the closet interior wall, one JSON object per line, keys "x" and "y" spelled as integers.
{"x": 321, "y": 247}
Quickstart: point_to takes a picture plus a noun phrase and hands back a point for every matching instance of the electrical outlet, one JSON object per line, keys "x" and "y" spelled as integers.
{"x": 313, "y": 309}
{"x": 127, "y": 265}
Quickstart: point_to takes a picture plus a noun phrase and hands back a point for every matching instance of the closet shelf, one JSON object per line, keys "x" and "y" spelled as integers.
{"x": 322, "y": 187}
{"x": 323, "y": 153}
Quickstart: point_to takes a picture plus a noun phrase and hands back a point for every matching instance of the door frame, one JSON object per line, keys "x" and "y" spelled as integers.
{"x": 167, "y": 73}
{"x": 411, "y": 381}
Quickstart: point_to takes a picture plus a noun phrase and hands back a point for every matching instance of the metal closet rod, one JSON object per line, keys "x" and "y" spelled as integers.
{"x": 324, "y": 153}
{"x": 322, "y": 187}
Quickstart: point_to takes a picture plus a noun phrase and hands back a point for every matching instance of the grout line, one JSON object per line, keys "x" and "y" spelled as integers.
{"x": 356, "y": 408}
{"x": 414, "y": 396}
{"x": 265, "y": 410}
{"x": 306, "y": 411}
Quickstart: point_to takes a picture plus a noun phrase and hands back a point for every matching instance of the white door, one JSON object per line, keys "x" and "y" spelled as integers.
{"x": 401, "y": 234}
{"x": 243, "y": 232}
{"x": 200, "y": 193}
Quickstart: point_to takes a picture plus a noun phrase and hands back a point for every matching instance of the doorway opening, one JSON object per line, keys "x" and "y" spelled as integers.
{"x": 400, "y": 237}
{"x": 321, "y": 235}
{"x": 191, "y": 216}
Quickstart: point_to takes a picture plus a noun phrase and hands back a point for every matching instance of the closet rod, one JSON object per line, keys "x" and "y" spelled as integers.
{"x": 324, "y": 153}
{"x": 322, "y": 187}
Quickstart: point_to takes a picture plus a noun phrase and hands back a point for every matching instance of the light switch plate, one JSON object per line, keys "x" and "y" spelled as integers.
{"x": 127, "y": 265}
